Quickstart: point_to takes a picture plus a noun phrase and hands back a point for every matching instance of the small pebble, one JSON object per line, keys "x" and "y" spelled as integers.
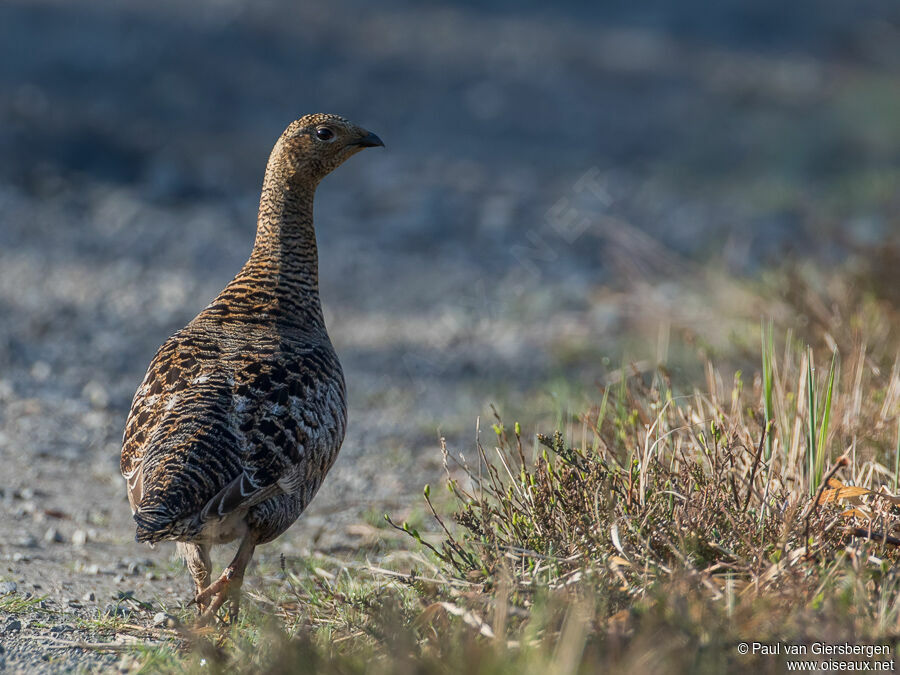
{"x": 126, "y": 664}
{"x": 7, "y": 587}
{"x": 40, "y": 371}
{"x": 52, "y": 536}
{"x": 12, "y": 626}
{"x": 88, "y": 597}
{"x": 163, "y": 620}
{"x": 92, "y": 569}
{"x": 79, "y": 537}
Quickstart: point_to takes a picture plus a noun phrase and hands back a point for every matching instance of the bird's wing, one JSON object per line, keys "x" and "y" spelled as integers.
{"x": 169, "y": 373}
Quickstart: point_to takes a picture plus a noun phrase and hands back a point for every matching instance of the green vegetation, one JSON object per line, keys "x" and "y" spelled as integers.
{"x": 17, "y": 604}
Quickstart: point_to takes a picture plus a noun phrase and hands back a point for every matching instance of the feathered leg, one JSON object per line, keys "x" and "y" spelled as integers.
{"x": 196, "y": 556}
{"x": 228, "y": 585}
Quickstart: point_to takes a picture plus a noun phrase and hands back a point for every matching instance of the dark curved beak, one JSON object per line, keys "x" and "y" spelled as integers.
{"x": 369, "y": 140}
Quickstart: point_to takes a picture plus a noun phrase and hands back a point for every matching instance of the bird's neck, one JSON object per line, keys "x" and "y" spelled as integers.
{"x": 285, "y": 236}
{"x": 283, "y": 268}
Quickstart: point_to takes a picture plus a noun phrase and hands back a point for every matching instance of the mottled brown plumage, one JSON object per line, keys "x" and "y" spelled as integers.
{"x": 242, "y": 412}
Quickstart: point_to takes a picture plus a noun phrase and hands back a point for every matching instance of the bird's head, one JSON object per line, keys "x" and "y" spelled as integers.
{"x": 315, "y": 145}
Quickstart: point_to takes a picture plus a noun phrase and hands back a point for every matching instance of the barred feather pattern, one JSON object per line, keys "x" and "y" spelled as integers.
{"x": 242, "y": 413}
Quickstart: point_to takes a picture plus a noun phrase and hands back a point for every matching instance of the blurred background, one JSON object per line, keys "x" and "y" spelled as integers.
{"x": 566, "y": 188}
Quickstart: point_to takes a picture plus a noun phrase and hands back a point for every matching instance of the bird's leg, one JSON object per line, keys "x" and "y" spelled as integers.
{"x": 196, "y": 556}
{"x": 228, "y": 585}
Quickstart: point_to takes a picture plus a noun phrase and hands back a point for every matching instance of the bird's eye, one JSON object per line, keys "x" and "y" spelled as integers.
{"x": 325, "y": 134}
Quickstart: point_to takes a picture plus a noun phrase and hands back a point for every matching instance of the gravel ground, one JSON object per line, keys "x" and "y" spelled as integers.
{"x": 536, "y": 159}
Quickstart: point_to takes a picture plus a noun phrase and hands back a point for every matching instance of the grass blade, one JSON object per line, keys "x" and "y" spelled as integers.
{"x": 768, "y": 375}
{"x": 897, "y": 458}
{"x": 811, "y": 405}
{"x": 826, "y": 421}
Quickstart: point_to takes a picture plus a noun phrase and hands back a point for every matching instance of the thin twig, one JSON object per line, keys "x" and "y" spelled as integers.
{"x": 759, "y": 451}
{"x": 874, "y": 535}
{"x": 96, "y": 646}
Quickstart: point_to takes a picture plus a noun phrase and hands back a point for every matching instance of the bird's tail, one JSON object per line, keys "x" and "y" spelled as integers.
{"x": 152, "y": 525}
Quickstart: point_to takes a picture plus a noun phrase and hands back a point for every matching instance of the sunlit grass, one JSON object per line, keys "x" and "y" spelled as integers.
{"x": 17, "y": 604}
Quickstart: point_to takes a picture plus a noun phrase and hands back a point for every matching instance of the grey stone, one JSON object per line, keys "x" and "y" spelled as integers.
{"x": 164, "y": 620}
{"x": 52, "y": 536}
{"x": 12, "y": 626}
{"x": 7, "y": 587}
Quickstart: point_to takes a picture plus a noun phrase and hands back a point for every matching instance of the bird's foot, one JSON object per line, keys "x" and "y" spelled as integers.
{"x": 214, "y": 596}
{"x": 201, "y": 606}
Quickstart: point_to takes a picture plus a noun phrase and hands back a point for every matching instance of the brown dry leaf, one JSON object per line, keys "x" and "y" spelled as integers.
{"x": 839, "y": 492}
{"x": 615, "y": 562}
{"x": 618, "y": 622}
{"x": 722, "y": 582}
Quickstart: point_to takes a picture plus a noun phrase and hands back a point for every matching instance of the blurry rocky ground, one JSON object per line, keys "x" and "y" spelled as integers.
{"x": 564, "y": 188}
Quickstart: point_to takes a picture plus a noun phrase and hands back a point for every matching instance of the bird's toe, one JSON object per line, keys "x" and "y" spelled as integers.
{"x": 211, "y": 599}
